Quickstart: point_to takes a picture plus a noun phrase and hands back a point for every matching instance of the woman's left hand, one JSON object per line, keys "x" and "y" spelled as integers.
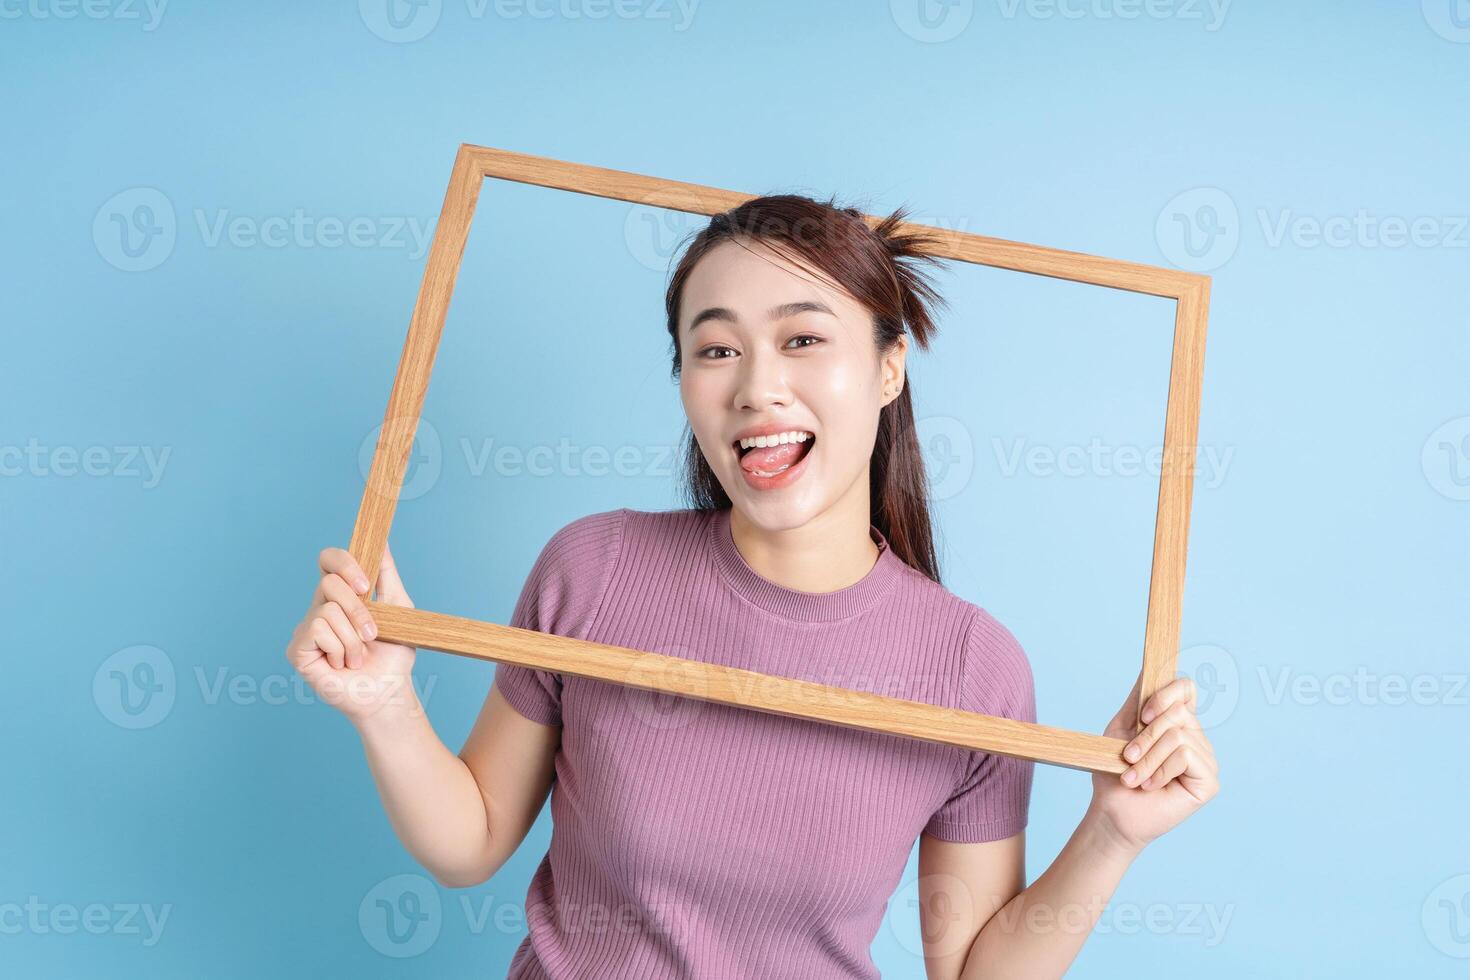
{"x": 1173, "y": 771}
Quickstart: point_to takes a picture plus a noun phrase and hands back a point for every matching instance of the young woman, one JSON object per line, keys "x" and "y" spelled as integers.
{"x": 694, "y": 839}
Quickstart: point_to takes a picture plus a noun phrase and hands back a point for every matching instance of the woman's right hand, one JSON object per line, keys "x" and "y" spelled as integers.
{"x": 334, "y": 647}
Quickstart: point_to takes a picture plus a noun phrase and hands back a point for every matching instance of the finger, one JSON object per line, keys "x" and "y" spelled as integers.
{"x": 1196, "y": 741}
{"x": 1177, "y": 715}
{"x": 354, "y": 649}
{"x": 351, "y": 643}
{"x": 1204, "y": 761}
{"x": 1157, "y": 753}
{"x": 318, "y": 641}
{"x": 340, "y": 561}
{"x": 1197, "y": 750}
{"x": 338, "y": 591}
{"x": 1180, "y": 689}
{"x": 1204, "y": 752}
{"x": 1175, "y": 765}
{"x": 390, "y": 585}
{"x": 301, "y": 650}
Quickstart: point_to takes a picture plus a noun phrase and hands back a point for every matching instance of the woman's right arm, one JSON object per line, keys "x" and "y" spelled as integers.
{"x": 460, "y": 816}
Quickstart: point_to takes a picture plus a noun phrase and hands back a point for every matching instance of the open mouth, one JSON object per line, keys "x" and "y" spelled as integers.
{"x": 776, "y": 458}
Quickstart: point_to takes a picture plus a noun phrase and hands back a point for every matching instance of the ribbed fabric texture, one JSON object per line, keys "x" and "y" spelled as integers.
{"x": 695, "y": 839}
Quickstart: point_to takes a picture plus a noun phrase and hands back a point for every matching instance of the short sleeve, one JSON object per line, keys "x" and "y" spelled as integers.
{"x": 993, "y": 797}
{"x": 561, "y": 595}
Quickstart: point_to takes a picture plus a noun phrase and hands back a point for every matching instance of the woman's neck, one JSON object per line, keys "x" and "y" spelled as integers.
{"x": 829, "y": 552}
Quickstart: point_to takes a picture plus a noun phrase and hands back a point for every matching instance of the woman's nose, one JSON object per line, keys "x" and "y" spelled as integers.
{"x": 762, "y": 382}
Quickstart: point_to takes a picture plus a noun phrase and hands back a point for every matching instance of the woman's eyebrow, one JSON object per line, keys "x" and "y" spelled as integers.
{"x": 780, "y": 312}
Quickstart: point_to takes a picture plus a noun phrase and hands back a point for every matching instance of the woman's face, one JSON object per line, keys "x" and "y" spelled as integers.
{"x": 766, "y": 346}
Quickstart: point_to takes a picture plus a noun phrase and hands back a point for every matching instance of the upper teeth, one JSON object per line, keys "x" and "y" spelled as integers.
{"x": 776, "y": 439}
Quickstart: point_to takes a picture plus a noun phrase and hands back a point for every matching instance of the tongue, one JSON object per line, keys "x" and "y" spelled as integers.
{"x": 768, "y": 459}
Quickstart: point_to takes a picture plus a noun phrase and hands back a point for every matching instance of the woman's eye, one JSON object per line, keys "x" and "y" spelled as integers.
{"x": 719, "y": 351}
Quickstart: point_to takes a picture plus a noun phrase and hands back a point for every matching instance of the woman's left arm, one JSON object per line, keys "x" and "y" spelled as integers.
{"x": 1039, "y": 930}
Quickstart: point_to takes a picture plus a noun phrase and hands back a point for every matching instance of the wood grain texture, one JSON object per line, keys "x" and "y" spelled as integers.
{"x": 747, "y": 689}
{"x": 1176, "y": 483}
{"x": 1041, "y": 743}
{"x": 406, "y": 401}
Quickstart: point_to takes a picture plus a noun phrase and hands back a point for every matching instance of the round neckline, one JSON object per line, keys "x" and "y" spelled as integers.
{"x": 795, "y": 604}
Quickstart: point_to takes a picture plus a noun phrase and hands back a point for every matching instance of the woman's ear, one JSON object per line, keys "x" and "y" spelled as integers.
{"x": 892, "y": 368}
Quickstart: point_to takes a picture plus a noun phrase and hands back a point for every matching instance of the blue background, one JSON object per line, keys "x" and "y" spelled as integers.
{"x": 159, "y": 305}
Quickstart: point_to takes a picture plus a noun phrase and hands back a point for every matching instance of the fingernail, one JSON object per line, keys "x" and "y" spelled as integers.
{"x": 1148, "y": 715}
{"x": 368, "y": 631}
{"x": 1130, "y": 777}
{"x": 362, "y": 585}
{"x": 1131, "y": 753}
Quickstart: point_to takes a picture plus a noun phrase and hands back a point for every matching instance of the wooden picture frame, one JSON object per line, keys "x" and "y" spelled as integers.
{"x": 744, "y": 688}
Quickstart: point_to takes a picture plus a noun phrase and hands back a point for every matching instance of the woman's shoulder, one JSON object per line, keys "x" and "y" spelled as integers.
{"x": 600, "y": 538}
{"x": 997, "y": 671}
{"x": 997, "y": 677}
{"x": 980, "y": 625}
{"x": 597, "y": 533}
{"x": 625, "y": 517}
{"x": 668, "y": 534}
{"x": 566, "y": 582}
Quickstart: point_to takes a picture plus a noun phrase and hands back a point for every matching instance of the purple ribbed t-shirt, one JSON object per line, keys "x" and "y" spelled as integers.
{"x": 696, "y": 839}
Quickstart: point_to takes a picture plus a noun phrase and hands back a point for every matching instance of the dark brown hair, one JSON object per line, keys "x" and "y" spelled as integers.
{"x": 878, "y": 267}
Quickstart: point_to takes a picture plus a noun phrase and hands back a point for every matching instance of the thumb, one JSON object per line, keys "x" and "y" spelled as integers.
{"x": 390, "y": 586}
